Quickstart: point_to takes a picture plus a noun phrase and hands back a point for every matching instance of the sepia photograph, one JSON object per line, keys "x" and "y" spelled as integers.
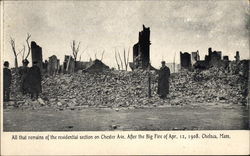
{"x": 118, "y": 65}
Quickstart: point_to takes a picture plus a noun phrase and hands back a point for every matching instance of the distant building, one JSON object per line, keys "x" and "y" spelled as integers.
{"x": 174, "y": 68}
{"x": 96, "y": 66}
{"x": 225, "y": 58}
{"x": 213, "y": 59}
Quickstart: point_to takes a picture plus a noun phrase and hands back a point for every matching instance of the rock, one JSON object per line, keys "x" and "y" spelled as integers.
{"x": 223, "y": 101}
{"x": 34, "y": 103}
{"x": 20, "y": 102}
{"x": 59, "y": 103}
{"x": 222, "y": 98}
{"x": 52, "y": 100}
{"x": 114, "y": 127}
{"x": 41, "y": 101}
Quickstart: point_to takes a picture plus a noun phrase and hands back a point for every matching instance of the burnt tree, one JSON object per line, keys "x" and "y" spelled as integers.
{"x": 75, "y": 49}
{"x": 13, "y": 46}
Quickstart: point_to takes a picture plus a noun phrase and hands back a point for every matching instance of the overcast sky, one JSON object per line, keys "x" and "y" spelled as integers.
{"x": 103, "y": 25}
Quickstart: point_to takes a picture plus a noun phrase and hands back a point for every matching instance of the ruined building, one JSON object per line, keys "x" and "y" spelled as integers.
{"x": 36, "y": 54}
{"x": 96, "y": 66}
{"x": 141, "y": 50}
{"x": 53, "y": 65}
{"x": 234, "y": 65}
{"x": 213, "y": 59}
{"x": 68, "y": 64}
{"x": 195, "y": 57}
{"x": 188, "y": 60}
{"x": 185, "y": 60}
{"x": 225, "y": 62}
{"x": 237, "y": 57}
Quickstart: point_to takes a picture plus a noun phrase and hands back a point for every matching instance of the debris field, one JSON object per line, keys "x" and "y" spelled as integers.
{"x": 129, "y": 90}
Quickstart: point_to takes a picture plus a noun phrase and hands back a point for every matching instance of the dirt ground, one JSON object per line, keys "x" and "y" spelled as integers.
{"x": 191, "y": 117}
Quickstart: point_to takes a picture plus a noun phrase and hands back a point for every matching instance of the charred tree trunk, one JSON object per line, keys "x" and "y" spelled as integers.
{"x": 118, "y": 66}
{"x": 29, "y": 48}
{"x": 13, "y": 46}
{"x": 120, "y": 60}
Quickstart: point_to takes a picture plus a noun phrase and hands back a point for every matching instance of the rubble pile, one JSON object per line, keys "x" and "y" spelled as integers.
{"x": 15, "y": 85}
{"x": 109, "y": 89}
{"x": 208, "y": 86}
{"x": 116, "y": 89}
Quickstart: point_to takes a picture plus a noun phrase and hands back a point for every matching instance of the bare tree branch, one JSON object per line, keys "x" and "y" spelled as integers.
{"x": 125, "y": 60}
{"x": 20, "y": 51}
{"x": 13, "y": 46}
{"x": 29, "y": 48}
{"x": 118, "y": 66}
{"x": 128, "y": 56}
{"x": 23, "y": 54}
{"x": 89, "y": 56}
{"x": 82, "y": 53}
{"x": 102, "y": 54}
{"x": 75, "y": 50}
{"x": 120, "y": 60}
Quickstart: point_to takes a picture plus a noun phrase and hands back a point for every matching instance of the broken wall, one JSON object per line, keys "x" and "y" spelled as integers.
{"x": 53, "y": 65}
{"x": 36, "y": 54}
{"x": 68, "y": 65}
{"x": 195, "y": 57}
{"x": 185, "y": 59}
{"x": 215, "y": 59}
{"x": 141, "y": 50}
